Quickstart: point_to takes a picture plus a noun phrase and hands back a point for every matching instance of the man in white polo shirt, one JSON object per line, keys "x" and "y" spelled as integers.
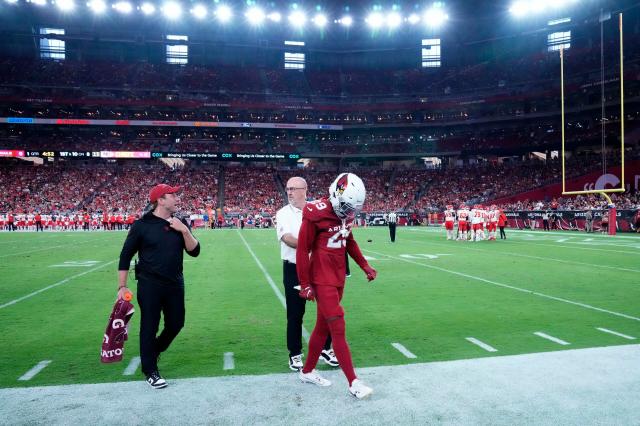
{"x": 288, "y": 222}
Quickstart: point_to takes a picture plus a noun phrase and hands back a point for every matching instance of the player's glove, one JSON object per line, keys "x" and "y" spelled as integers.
{"x": 307, "y": 293}
{"x": 371, "y": 273}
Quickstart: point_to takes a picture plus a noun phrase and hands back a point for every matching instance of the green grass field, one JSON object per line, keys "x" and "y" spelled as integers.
{"x": 430, "y": 295}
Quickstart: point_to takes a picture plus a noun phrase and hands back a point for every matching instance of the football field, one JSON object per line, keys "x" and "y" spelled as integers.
{"x": 434, "y": 300}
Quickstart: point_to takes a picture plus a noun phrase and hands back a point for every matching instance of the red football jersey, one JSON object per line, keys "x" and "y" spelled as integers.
{"x": 327, "y": 238}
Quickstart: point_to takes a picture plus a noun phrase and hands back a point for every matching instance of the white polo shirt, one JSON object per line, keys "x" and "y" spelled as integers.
{"x": 289, "y": 221}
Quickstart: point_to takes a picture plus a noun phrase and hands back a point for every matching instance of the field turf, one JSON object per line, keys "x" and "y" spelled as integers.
{"x": 57, "y": 290}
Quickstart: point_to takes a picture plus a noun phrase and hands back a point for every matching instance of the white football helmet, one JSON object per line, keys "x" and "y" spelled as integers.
{"x": 347, "y": 195}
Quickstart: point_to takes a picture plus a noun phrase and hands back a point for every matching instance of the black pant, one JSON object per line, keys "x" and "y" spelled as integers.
{"x": 295, "y": 310}
{"x": 545, "y": 224}
{"x": 392, "y": 232}
{"x": 503, "y": 236}
{"x": 154, "y": 298}
{"x": 39, "y": 226}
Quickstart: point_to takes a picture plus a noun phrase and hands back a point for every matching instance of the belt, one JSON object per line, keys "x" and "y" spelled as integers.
{"x": 291, "y": 263}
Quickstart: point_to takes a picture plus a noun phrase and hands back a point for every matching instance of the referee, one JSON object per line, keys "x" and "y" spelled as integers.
{"x": 289, "y": 220}
{"x": 392, "y": 220}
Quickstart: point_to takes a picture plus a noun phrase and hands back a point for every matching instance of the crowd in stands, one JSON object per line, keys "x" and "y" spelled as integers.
{"x": 97, "y": 187}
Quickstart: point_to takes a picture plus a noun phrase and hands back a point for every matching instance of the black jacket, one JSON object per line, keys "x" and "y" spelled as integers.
{"x": 159, "y": 251}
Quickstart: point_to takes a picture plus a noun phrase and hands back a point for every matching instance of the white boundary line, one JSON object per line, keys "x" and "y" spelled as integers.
{"x": 553, "y": 339}
{"x": 530, "y": 256}
{"x": 132, "y": 367}
{"x": 524, "y": 290}
{"x": 275, "y": 288}
{"x": 624, "y": 336}
{"x": 66, "y": 280}
{"x": 483, "y": 345}
{"x": 228, "y": 363}
{"x": 35, "y": 370}
{"x": 404, "y": 351}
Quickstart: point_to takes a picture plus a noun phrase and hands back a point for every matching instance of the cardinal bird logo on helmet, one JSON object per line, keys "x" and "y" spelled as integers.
{"x": 341, "y": 183}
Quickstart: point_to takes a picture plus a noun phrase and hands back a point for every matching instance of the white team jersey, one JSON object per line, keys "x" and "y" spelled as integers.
{"x": 477, "y": 216}
{"x": 493, "y": 215}
{"x": 463, "y": 215}
{"x": 449, "y": 215}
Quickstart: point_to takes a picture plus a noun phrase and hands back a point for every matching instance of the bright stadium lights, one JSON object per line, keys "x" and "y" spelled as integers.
{"x": 97, "y": 6}
{"x": 435, "y": 17}
{"x": 223, "y": 13}
{"x": 199, "y": 11}
{"x": 413, "y": 19}
{"x": 148, "y": 9}
{"x": 12, "y": 1}
{"x": 123, "y": 7}
{"x": 346, "y": 21}
{"x": 394, "y": 20}
{"x": 320, "y": 20}
{"x": 65, "y": 5}
{"x": 519, "y": 8}
{"x": 172, "y": 10}
{"x": 375, "y": 20}
{"x": 38, "y": 2}
{"x": 274, "y": 17}
{"x": 255, "y": 16}
{"x": 297, "y": 19}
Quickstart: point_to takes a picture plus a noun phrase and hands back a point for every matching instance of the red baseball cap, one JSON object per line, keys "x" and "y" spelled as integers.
{"x": 161, "y": 190}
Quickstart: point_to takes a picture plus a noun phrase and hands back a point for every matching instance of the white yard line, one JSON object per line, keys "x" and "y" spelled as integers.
{"x": 587, "y": 386}
{"x": 575, "y": 262}
{"x": 35, "y": 370}
{"x": 523, "y": 290}
{"x": 615, "y": 333}
{"x": 551, "y": 338}
{"x": 404, "y": 351}
{"x": 273, "y": 285}
{"x": 483, "y": 345}
{"x": 66, "y": 280}
{"x": 228, "y": 363}
{"x": 132, "y": 367}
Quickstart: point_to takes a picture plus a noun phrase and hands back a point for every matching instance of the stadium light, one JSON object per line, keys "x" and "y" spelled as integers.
{"x": 519, "y": 8}
{"x": 320, "y": 20}
{"x": 297, "y": 19}
{"x": 255, "y": 16}
{"x": 223, "y": 13}
{"x": 274, "y": 16}
{"x": 65, "y": 5}
{"x": 435, "y": 17}
{"x": 12, "y": 1}
{"x": 123, "y": 7}
{"x": 199, "y": 11}
{"x": 37, "y": 2}
{"x": 346, "y": 20}
{"x": 172, "y": 10}
{"x": 413, "y": 19}
{"x": 97, "y": 6}
{"x": 148, "y": 9}
{"x": 394, "y": 20}
{"x": 374, "y": 20}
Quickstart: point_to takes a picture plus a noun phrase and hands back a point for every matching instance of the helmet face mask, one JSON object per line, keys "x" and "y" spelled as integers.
{"x": 347, "y": 194}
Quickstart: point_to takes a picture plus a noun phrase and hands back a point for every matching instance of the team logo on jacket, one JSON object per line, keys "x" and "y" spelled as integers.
{"x": 342, "y": 183}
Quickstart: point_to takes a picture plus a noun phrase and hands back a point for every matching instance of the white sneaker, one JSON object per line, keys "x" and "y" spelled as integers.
{"x": 314, "y": 377}
{"x": 359, "y": 389}
{"x": 329, "y": 357}
{"x": 295, "y": 362}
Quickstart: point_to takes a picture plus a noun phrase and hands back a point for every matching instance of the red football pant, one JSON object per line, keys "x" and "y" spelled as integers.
{"x": 328, "y": 299}
{"x": 448, "y": 226}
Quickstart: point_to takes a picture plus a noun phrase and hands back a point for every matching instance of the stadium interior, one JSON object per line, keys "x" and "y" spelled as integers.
{"x": 429, "y": 114}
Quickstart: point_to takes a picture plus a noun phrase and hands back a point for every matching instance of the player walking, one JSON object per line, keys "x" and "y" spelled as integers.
{"x": 326, "y": 234}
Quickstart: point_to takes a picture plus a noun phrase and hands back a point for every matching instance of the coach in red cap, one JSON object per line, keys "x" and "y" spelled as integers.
{"x": 159, "y": 238}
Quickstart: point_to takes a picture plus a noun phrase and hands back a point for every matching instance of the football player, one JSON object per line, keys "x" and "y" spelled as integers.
{"x": 463, "y": 218}
{"x": 326, "y": 235}
{"x": 449, "y": 219}
{"x": 493, "y": 214}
